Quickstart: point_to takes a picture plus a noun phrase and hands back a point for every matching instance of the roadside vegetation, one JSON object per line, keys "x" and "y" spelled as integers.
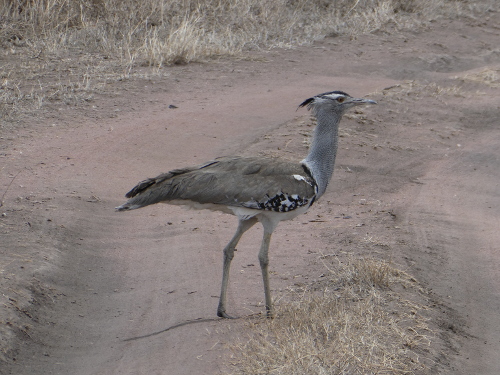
{"x": 65, "y": 51}
{"x": 358, "y": 320}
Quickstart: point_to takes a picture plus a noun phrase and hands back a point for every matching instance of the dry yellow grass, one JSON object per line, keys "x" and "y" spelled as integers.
{"x": 415, "y": 90}
{"x": 358, "y": 324}
{"x": 178, "y": 31}
{"x": 489, "y": 76}
{"x": 63, "y": 50}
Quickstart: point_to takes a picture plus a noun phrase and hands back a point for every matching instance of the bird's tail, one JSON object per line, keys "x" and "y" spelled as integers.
{"x": 137, "y": 198}
{"x": 156, "y": 190}
{"x": 127, "y": 207}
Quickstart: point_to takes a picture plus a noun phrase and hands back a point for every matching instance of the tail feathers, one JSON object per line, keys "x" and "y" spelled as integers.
{"x": 127, "y": 207}
{"x": 144, "y": 185}
{"x": 143, "y": 194}
{"x": 157, "y": 189}
{"x": 140, "y": 187}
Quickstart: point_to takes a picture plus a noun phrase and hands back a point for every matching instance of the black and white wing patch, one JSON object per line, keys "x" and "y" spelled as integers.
{"x": 285, "y": 202}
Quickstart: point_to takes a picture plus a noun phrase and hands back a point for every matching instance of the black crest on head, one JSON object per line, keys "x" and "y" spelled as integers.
{"x": 308, "y": 102}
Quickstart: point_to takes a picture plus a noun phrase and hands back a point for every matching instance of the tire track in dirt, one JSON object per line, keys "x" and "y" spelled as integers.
{"x": 458, "y": 216}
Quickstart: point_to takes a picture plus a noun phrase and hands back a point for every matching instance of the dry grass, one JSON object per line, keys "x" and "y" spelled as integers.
{"x": 415, "y": 90}
{"x": 489, "y": 76}
{"x": 358, "y": 324}
{"x": 63, "y": 50}
{"x": 178, "y": 31}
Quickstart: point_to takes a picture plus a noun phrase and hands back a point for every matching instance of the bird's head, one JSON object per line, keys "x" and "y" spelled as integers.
{"x": 337, "y": 101}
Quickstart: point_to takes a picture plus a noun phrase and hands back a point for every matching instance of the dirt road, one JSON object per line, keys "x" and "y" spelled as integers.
{"x": 136, "y": 293}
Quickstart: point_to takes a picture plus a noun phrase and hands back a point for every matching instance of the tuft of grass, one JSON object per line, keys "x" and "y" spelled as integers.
{"x": 489, "y": 76}
{"x": 415, "y": 90}
{"x": 358, "y": 324}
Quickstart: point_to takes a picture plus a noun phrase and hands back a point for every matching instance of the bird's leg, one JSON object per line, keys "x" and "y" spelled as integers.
{"x": 264, "y": 263}
{"x": 243, "y": 226}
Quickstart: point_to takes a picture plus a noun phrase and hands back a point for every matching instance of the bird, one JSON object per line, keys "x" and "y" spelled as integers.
{"x": 255, "y": 189}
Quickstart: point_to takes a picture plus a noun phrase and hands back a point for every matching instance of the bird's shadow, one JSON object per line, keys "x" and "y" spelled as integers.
{"x": 188, "y": 322}
{"x": 194, "y": 321}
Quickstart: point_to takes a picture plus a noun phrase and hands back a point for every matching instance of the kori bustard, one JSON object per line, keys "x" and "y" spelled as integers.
{"x": 255, "y": 189}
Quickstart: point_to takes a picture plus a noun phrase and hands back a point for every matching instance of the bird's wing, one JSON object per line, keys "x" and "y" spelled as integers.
{"x": 259, "y": 183}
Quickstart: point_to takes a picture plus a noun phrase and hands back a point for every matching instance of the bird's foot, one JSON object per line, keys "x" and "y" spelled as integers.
{"x": 269, "y": 313}
{"x": 222, "y": 314}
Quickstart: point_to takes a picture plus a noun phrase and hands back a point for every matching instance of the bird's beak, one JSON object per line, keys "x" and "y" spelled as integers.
{"x": 359, "y": 101}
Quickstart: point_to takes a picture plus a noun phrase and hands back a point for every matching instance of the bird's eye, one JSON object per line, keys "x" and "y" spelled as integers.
{"x": 340, "y": 99}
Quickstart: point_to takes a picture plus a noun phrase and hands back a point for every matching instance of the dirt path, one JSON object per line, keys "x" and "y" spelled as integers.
{"x": 458, "y": 218}
{"x": 112, "y": 292}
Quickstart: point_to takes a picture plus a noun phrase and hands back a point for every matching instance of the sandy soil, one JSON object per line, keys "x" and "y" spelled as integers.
{"x": 87, "y": 290}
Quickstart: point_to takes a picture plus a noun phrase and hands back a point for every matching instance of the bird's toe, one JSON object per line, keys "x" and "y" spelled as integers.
{"x": 223, "y": 314}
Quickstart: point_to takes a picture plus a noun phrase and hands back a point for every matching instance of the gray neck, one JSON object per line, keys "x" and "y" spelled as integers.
{"x": 321, "y": 157}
